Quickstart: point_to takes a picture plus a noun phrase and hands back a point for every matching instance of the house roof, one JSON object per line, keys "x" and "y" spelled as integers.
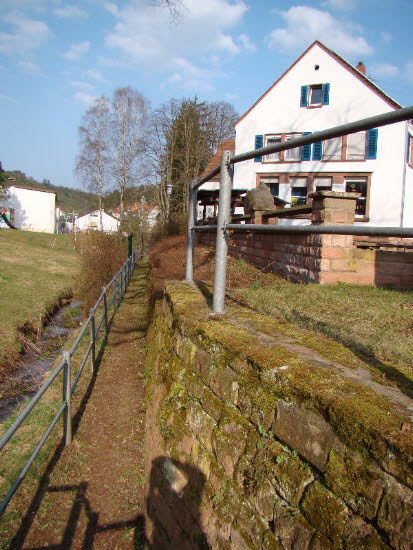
{"x": 342, "y": 62}
{"x": 227, "y": 145}
{"x": 96, "y": 210}
{"x": 31, "y": 188}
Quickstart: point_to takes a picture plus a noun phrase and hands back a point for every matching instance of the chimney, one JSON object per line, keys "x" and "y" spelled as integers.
{"x": 361, "y": 67}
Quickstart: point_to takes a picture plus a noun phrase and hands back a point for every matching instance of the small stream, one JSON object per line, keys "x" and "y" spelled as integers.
{"x": 39, "y": 357}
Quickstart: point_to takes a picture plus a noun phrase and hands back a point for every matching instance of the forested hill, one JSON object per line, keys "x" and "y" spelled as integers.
{"x": 81, "y": 202}
{"x": 70, "y": 200}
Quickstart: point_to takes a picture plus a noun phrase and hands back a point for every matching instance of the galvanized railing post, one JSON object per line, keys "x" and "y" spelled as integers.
{"x": 115, "y": 292}
{"x": 105, "y": 311}
{"x": 67, "y": 414}
{"x": 221, "y": 251}
{"x": 92, "y": 340}
{"x": 190, "y": 239}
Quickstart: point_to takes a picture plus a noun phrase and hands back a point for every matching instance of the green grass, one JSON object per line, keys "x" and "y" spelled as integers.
{"x": 375, "y": 323}
{"x": 36, "y": 269}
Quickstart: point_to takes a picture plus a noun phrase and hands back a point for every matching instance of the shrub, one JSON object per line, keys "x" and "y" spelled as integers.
{"x": 101, "y": 256}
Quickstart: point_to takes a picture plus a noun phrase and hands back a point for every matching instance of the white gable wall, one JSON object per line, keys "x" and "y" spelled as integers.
{"x": 33, "y": 210}
{"x": 92, "y": 221}
{"x": 350, "y": 99}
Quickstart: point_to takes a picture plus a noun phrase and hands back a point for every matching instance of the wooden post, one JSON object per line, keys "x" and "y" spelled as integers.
{"x": 67, "y": 394}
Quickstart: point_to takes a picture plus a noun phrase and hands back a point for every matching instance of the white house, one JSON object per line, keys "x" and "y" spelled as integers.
{"x": 321, "y": 90}
{"x": 92, "y": 220}
{"x": 33, "y": 209}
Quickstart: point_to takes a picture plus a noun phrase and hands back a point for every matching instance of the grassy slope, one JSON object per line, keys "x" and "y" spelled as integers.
{"x": 35, "y": 269}
{"x": 375, "y": 323}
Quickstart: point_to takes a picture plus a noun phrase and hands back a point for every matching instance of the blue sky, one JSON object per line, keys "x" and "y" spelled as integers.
{"x": 57, "y": 55}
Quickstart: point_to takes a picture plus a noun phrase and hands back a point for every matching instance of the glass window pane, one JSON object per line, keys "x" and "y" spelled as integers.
{"x": 298, "y": 191}
{"x": 293, "y": 154}
{"x": 315, "y": 95}
{"x": 273, "y": 184}
{"x": 358, "y": 186}
{"x": 332, "y": 149}
{"x": 356, "y": 146}
{"x": 323, "y": 184}
{"x": 273, "y": 140}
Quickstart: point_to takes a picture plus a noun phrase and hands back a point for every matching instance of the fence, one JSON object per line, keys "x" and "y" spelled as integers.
{"x": 116, "y": 288}
{"x": 224, "y": 203}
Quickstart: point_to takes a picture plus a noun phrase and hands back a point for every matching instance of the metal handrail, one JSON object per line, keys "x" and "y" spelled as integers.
{"x": 64, "y": 365}
{"x": 336, "y": 131}
{"x": 228, "y": 160}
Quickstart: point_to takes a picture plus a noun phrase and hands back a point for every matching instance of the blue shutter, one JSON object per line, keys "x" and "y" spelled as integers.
{"x": 318, "y": 150}
{"x": 306, "y": 149}
{"x": 259, "y": 142}
{"x": 372, "y": 136}
{"x": 304, "y": 96}
{"x": 409, "y": 144}
{"x": 326, "y": 94}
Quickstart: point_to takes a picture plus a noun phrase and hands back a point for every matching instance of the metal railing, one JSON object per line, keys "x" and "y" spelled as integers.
{"x": 224, "y": 204}
{"x": 117, "y": 286}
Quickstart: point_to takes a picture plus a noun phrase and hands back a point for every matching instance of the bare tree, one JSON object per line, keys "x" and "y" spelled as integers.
{"x": 94, "y": 157}
{"x": 129, "y": 132}
{"x": 221, "y": 119}
{"x": 174, "y": 7}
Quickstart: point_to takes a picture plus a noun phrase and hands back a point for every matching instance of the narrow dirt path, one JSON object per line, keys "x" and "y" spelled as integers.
{"x": 94, "y": 496}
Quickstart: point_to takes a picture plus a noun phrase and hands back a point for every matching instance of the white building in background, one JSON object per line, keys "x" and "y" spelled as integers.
{"x": 33, "y": 209}
{"x": 92, "y": 221}
{"x": 321, "y": 90}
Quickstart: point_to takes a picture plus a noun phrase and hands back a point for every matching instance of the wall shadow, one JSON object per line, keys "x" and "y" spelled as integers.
{"x": 173, "y": 506}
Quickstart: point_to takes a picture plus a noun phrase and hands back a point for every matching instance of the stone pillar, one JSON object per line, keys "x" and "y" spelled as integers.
{"x": 331, "y": 207}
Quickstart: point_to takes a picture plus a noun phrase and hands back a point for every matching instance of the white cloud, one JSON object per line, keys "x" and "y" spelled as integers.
{"x": 27, "y": 34}
{"x": 76, "y": 51}
{"x": 344, "y": 5}
{"x": 386, "y": 37}
{"x": 409, "y": 71}
{"x": 94, "y": 74}
{"x": 4, "y": 97}
{"x": 246, "y": 43}
{"x": 29, "y": 67}
{"x": 146, "y": 37}
{"x": 84, "y": 98}
{"x": 384, "y": 70}
{"x": 70, "y": 11}
{"x": 304, "y": 25}
{"x": 81, "y": 85}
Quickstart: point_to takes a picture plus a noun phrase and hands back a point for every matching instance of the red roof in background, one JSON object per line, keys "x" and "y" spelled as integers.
{"x": 227, "y": 145}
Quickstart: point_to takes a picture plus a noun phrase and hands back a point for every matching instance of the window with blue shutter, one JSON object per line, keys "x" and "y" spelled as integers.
{"x": 409, "y": 158}
{"x": 372, "y": 136}
{"x": 318, "y": 150}
{"x": 326, "y": 94}
{"x": 304, "y": 96}
{"x": 259, "y": 142}
{"x": 306, "y": 149}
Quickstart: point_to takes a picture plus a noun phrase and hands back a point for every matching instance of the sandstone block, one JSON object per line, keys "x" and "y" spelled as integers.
{"x": 305, "y": 431}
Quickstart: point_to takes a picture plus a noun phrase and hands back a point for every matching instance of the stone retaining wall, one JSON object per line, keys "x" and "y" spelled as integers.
{"x": 321, "y": 258}
{"x": 257, "y": 439}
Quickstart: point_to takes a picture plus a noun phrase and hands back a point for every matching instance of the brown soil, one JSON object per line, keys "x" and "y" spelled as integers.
{"x": 93, "y": 496}
{"x": 168, "y": 259}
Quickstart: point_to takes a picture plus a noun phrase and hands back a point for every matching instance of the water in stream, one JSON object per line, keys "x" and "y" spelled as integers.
{"x": 38, "y": 359}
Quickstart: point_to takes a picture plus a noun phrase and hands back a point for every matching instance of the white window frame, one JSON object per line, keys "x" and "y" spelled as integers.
{"x": 312, "y": 87}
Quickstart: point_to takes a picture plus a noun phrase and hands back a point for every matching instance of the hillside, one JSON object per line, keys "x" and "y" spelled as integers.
{"x": 78, "y": 201}
{"x": 70, "y": 200}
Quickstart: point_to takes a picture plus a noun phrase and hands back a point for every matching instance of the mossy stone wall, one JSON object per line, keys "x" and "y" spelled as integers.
{"x": 250, "y": 445}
